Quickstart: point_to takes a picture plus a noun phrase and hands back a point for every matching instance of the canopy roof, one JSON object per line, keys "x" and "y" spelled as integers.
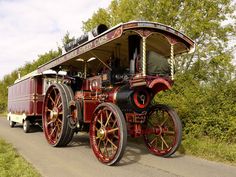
{"x": 159, "y": 37}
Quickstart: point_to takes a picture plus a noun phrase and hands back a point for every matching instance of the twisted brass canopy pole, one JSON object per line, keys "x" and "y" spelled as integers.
{"x": 172, "y": 61}
{"x": 144, "y": 60}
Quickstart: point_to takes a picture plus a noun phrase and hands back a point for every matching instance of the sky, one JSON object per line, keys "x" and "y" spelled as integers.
{"x": 29, "y": 28}
{"x": 32, "y": 27}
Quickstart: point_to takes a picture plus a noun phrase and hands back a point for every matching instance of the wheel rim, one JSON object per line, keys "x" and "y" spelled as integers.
{"x": 160, "y": 132}
{"x": 105, "y": 134}
{"x": 53, "y": 115}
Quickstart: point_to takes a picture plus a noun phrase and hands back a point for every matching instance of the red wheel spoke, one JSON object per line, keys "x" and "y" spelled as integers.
{"x": 52, "y": 100}
{"x": 162, "y": 145}
{"x": 52, "y": 132}
{"x": 170, "y": 133}
{"x": 101, "y": 119}
{"x": 50, "y": 122}
{"x": 100, "y": 122}
{"x": 106, "y": 139}
{"x": 58, "y": 132}
{"x": 58, "y": 128}
{"x": 60, "y": 113}
{"x": 59, "y": 120}
{"x": 164, "y": 122}
{"x": 99, "y": 142}
{"x": 106, "y": 151}
{"x": 112, "y": 143}
{"x": 113, "y": 130}
{"x": 59, "y": 106}
{"x": 163, "y": 141}
{"x": 58, "y": 98}
{"x": 103, "y": 149}
{"x": 48, "y": 110}
{"x": 55, "y": 91}
{"x": 108, "y": 118}
{"x": 114, "y": 123}
{"x": 154, "y": 140}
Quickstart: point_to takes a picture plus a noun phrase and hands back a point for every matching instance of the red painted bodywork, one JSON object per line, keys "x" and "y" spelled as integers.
{"x": 92, "y": 94}
{"x": 26, "y": 97}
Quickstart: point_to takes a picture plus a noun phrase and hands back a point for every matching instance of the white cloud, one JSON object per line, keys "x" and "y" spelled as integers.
{"x": 31, "y": 27}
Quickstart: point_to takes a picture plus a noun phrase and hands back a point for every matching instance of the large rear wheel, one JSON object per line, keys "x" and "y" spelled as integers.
{"x": 55, "y": 115}
{"x": 108, "y": 133}
{"x": 163, "y": 130}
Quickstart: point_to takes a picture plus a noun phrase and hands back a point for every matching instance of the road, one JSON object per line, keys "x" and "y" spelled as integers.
{"x": 78, "y": 160}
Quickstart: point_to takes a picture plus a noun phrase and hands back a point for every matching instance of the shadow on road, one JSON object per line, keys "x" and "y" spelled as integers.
{"x": 135, "y": 148}
{"x": 33, "y": 128}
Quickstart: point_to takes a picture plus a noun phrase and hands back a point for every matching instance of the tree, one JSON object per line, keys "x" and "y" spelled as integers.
{"x": 201, "y": 20}
{"x": 204, "y": 92}
{"x": 27, "y": 68}
{"x": 67, "y": 39}
{"x": 100, "y": 17}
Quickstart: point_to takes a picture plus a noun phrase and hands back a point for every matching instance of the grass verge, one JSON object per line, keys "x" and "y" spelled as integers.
{"x": 12, "y": 164}
{"x": 210, "y": 149}
{"x": 3, "y": 115}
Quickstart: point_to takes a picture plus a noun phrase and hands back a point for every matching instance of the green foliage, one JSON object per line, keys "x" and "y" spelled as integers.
{"x": 100, "y": 17}
{"x": 206, "y": 110}
{"x": 11, "y": 164}
{"x": 210, "y": 149}
{"x": 27, "y": 68}
{"x": 67, "y": 39}
{"x": 204, "y": 93}
{"x": 200, "y": 20}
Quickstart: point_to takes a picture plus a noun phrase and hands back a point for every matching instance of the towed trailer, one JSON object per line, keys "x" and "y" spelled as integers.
{"x": 113, "y": 78}
{"x": 25, "y": 98}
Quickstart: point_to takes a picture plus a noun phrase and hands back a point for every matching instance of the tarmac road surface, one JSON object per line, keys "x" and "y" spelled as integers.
{"x": 78, "y": 160}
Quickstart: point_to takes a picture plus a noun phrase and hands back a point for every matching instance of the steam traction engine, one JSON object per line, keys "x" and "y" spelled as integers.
{"x": 112, "y": 79}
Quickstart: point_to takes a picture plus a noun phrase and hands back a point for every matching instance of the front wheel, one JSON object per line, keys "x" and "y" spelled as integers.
{"x": 108, "y": 133}
{"x": 163, "y": 130}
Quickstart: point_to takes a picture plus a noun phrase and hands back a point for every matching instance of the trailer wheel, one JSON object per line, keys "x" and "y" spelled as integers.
{"x": 11, "y": 123}
{"x": 55, "y": 115}
{"x": 26, "y": 126}
{"x": 108, "y": 133}
{"x": 163, "y": 130}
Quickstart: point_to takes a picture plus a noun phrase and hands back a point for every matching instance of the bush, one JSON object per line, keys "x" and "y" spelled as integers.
{"x": 206, "y": 110}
